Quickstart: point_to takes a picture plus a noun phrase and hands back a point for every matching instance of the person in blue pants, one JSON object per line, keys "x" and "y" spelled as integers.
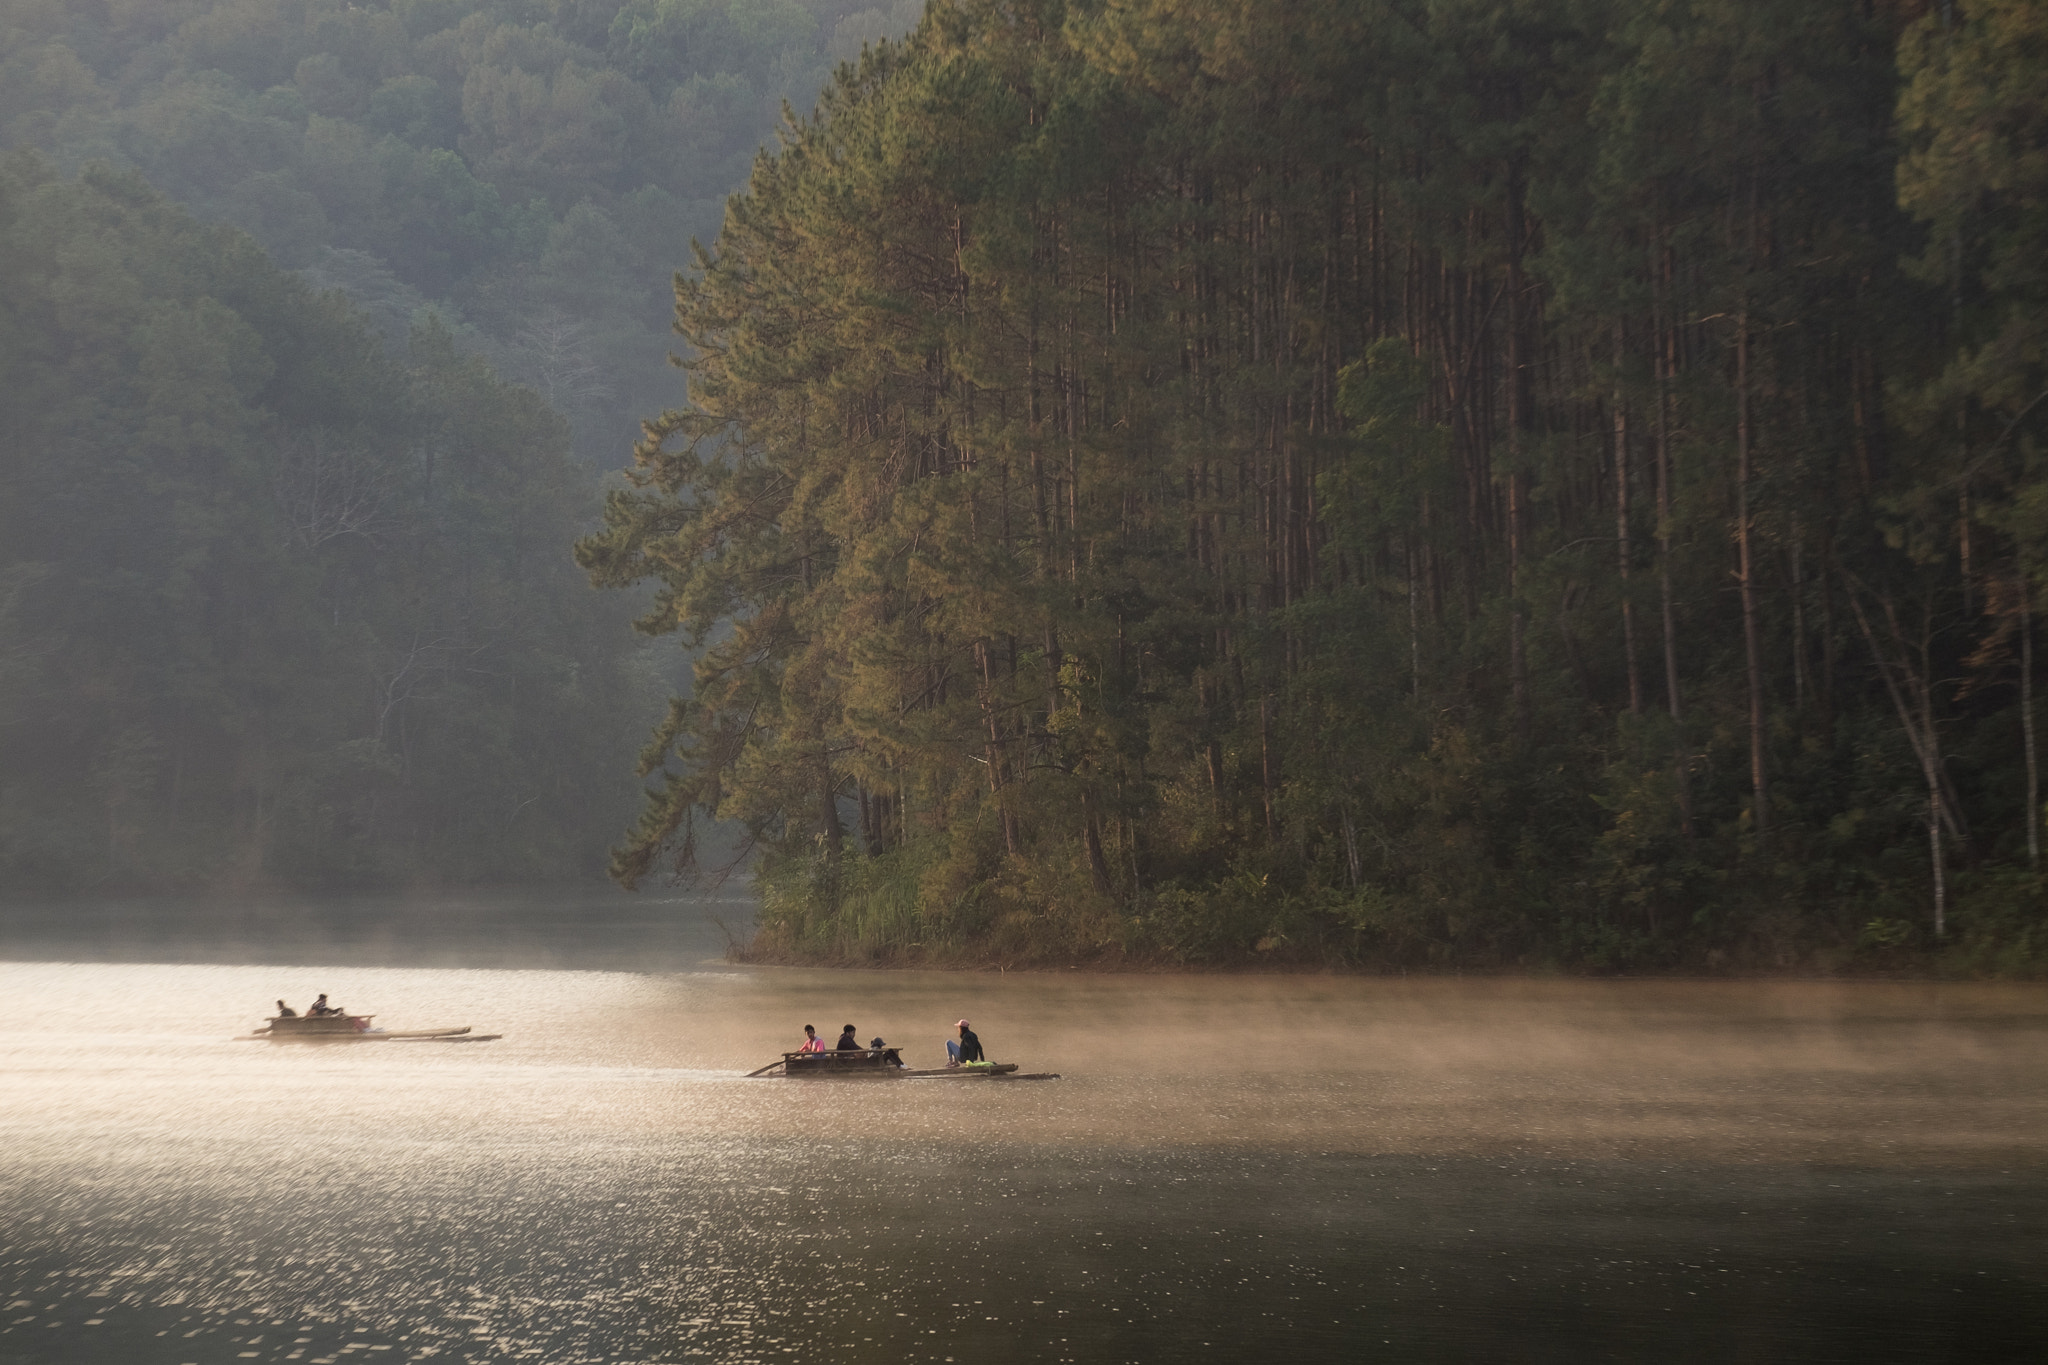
{"x": 967, "y": 1049}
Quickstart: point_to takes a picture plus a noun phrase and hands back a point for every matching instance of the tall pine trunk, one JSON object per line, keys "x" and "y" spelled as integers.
{"x": 2026, "y": 591}
{"x": 1667, "y": 363}
{"x": 1759, "y": 780}
{"x": 1621, "y": 530}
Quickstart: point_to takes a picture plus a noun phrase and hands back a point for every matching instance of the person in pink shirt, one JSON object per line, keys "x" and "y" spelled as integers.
{"x": 812, "y": 1042}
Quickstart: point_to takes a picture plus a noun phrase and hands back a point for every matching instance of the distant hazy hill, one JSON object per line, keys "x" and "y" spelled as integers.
{"x": 532, "y": 168}
{"x": 282, "y": 604}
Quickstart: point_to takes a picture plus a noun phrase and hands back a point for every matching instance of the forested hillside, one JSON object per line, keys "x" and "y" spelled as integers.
{"x": 532, "y": 169}
{"x": 275, "y": 606}
{"x": 1374, "y": 480}
{"x": 285, "y": 588}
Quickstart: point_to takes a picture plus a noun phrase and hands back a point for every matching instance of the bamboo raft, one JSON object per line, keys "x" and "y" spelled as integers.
{"x": 354, "y": 1028}
{"x": 884, "y": 1063}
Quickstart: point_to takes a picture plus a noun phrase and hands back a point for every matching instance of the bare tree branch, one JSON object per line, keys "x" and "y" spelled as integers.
{"x": 328, "y": 488}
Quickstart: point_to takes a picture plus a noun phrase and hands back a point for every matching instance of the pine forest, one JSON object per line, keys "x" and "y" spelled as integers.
{"x": 1372, "y": 481}
{"x": 1380, "y": 484}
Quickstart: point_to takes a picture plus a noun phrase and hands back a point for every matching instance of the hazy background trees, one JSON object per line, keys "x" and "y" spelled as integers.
{"x": 285, "y": 593}
{"x": 280, "y": 605}
{"x": 515, "y": 164}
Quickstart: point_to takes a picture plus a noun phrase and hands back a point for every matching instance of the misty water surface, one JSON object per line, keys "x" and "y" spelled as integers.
{"x": 1302, "y": 1168}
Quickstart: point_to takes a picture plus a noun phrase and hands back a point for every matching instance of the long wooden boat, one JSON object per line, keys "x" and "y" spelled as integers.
{"x": 354, "y": 1028}
{"x": 841, "y": 1063}
{"x": 884, "y": 1063}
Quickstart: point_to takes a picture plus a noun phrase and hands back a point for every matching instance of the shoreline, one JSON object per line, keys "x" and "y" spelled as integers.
{"x": 1927, "y": 971}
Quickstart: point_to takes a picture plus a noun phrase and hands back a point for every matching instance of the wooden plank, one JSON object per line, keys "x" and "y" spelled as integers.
{"x": 352, "y": 1036}
{"x": 961, "y": 1073}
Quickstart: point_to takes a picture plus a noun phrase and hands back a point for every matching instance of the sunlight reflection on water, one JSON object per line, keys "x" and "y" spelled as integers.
{"x": 1332, "y": 1168}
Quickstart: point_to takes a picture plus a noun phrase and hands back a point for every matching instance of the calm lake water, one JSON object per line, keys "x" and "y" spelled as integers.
{"x": 1232, "y": 1168}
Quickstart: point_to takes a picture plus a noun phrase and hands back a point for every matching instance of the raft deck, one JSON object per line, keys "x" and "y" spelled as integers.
{"x": 883, "y": 1064}
{"x": 355, "y": 1028}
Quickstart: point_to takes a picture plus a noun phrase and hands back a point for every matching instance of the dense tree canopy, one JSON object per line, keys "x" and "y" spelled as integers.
{"x": 313, "y": 554}
{"x": 275, "y": 606}
{"x": 1483, "y": 482}
{"x": 532, "y": 169}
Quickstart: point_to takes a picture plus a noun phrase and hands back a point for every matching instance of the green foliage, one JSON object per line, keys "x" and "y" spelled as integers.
{"x": 1975, "y": 170}
{"x": 665, "y": 42}
{"x": 1397, "y": 483}
{"x": 279, "y": 607}
{"x": 447, "y": 144}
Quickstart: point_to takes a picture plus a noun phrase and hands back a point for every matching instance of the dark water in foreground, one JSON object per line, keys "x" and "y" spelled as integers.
{"x": 1281, "y": 1169}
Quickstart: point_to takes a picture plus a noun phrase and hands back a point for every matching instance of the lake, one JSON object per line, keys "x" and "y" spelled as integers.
{"x": 1293, "y": 1168}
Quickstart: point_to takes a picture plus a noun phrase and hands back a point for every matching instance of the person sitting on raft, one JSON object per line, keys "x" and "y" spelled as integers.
{"x": 812, "y": 1042}
{"x": 285, "y": 1011}
{"x": 848, "y": 1042}
{"x": 320, "y": 1008}
{"x": 967, "y": 1049}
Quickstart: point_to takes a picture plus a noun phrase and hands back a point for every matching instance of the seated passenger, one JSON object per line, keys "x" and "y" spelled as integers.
{"x": 320, "y": 1008}
{"x": 285, "y": 1011}
{"x": 812, "y": 1042}
{"x": 848, "y": 1042}
{"x": 966, "y": 1049}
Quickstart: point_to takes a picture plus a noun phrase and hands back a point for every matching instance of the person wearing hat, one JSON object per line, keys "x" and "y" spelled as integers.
{"x": 967, "y": 1049}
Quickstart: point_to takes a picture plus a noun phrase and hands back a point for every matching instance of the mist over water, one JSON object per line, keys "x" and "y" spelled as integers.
{"x": 1305, "y": 1168}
